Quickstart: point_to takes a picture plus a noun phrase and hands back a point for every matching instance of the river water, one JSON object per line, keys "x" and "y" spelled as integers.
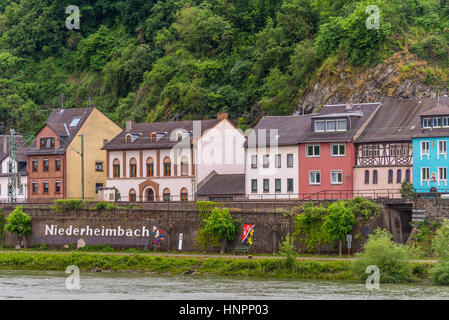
{"x": 52, "y": 285}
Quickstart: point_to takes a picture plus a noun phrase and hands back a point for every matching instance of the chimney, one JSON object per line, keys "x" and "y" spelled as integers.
{"x": 129, "y": 125}
{"x": 222, "y": 115}
{"x": 349, "y": 106}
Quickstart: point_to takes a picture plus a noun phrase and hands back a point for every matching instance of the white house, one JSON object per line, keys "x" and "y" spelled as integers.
{"x": 167, "y": 161}
{"x": 20, "y": 168}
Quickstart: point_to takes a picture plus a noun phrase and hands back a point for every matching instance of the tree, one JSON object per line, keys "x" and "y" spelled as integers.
{"x": 19, "y": 222}
{"x": 407, "y": 190}
{"x": 338, "y": 223}
{"x": 222, "y": 225}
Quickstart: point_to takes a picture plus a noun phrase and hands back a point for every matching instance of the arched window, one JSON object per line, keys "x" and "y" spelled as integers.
{"x": 132, "y": 168}
{"x": 184, "y": 166}
{"x": 390, "y": 176}
{"x": 375, "y": 177}
{"x": 128, "y": 138}
{"x": 132, "y": 195}
{"x": 407, "y": 175}
{"x": 116, "y": 166}
{"x": 184, "y": 196}
{"x": 399, "y": 176}
{"x": 150, "y": 167}
{"x": 153, "y": 137}
{"x": 366, "y": 177}
{"x": 166, "y": 194}
{"x": 167, "y": 167}
{"x": 150, "y": 194}
{"x": 179, "y": 136}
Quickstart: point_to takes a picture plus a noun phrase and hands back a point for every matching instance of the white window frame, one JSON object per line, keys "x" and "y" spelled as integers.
{"x": 280, "y": 185}
{"x": 319, "y": 121}
{"x": 346, "y": 124}
{"x": 278, "y": 161}
{"x": 439, "y": 176}
{"x": 428, "y": 121}
{"x": 439, "y": 153}
{"x": 290, "y": 155}
{"x": 335, "y": 124}
{"x": 266, "y": 161}
{"x": 436, "y": 119}
{"x": 338, "y": 155}
{"x": 422, "y": 175}
{"x": 254, "y": 156}
{"x": 293, "y": 185}
{"x": 314, "y": 155}
{"x": 263, "y": 186}
{"x": 445, "y": 122}
{"x": 310, "y": 177}
{"x": 421, "y": 149}
{"x": 339, "y": 172}
{"x": 257, "y": 187}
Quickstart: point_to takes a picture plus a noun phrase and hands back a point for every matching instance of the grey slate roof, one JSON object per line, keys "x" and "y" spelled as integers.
{"x": 400, "y": 120}
{"x": 59, "y": 121}
{"x": 293, "y": 130}
{"x": 143, "y": 133}
{"x": 223, "y": 184}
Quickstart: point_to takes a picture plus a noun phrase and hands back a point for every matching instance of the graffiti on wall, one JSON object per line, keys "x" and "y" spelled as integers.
{"x": 158, "y": 236}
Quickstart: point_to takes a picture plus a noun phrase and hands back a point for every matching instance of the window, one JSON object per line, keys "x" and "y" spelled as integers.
{"x": 319, "y": 126}
{"x": 289, "y": 160}
{"x": 98, "y": 186}
{"x": 34, "y": 190}
{"x": 425, "y": 174}
{"x": 442, "y": 150}
{"x": 442, "y": 174}
{"x": 370, "y": 150}
{"x": 426, "y": 122}
{"x": 289, "y": 185}
{"x": 153, "y": 137}
{"x": 179, "y": 136}
{"x": 341, "y": 125}
{"x": 407, "y": 175}
{"x": 46, "y": 165}
{"x": 278, "y": 161}
{"x": 331, "y": 125}
{"x": 399, "y": 176}
{"x": 74, "y": 122}
{"x": 132, "y": 195}
{"x": 58, "y": 187}
{"x": 266, "y": 161}
{"x": 313, "y": 150}
{"x": 338, "y": 150}
{"x": 167, "y": 167}
{"x": 254, "y": 161}
{"x": 166, "y": 194}
{"x": 277, "y": 185}
{"x": 58, "y": 165}
{"x": 128, "y": 138}
{"x": 45, "y": 187}
{"x": 47, "y": 143}
{"x": 253, "y": 185}
{"x": 336, "y": 177}
{"x": 424, "y": 148}
{"x": 132, "y": 168}
{"x": 375, "y": 177}
{"x": 184, "y": 196}
{"x": 436, "y": 122}
{"x": 35, "y": 165}
{"x": 116, "y": 167}
{"x": 150, "y": 167}
{"x": 314, "y": 177}
{"x": 98, "y": 165}
{"x": 390, "y": 176}
{"x": 184, "y": 167}
{"x": 366, "y": 177}
{"x": 445, "y": 121}
{"x": 266, "y": 185}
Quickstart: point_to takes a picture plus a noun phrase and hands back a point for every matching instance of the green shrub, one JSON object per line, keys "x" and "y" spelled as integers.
{"x": 391, "y": 258}
{"x": 104, "y": 205}
{"x": 308, "y": 227}
{"x": 339, "y": 222}
{"x": 65, "y": 205}
{"x": 18, "y": 222}
{"x": 363, "y": 207}
{"x": 439, "y": 274}
{"x": 287, "y": 249}
{"x": 221, "y": 225}
{"x": 204, "y": 239}
{"x": 407, "y": 190}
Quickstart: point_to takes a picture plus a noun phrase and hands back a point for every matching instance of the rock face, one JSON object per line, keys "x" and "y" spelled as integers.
{"x": 400, "y": 76}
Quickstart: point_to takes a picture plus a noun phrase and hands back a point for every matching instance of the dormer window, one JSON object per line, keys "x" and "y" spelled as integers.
{"x": 319, "y": 126}
{"x": 153, "y": 137}
{"x": 128, "y": 138}
{"x": 341, "y": 125}
{"x": 426, "y": 122}
{"x": 436, "y": 122}
{"x": 47, "y": 143}
{"x": 445, "y": 122}
{"x": 330, "y": 125}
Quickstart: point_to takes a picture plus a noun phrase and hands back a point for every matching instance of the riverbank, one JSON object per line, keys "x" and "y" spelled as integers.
{"x": 221, "y": 266}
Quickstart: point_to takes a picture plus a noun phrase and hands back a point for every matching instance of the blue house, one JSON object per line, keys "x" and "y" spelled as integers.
{"x": 430, "y": 159}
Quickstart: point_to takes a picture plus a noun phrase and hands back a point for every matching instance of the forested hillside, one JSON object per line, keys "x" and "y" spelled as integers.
{"x": 150, "y": 60}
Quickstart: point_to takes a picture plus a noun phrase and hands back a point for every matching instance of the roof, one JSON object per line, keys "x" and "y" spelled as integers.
{"x": 65, "y": 123}
{"x": 437, "y": 111}
{"x": 223, "y": 184}
{"x": 143, "y": 131}
{"x": 21, "y": 148}
{"x": 399, "y": 120}
{"x": 296, "y": 129}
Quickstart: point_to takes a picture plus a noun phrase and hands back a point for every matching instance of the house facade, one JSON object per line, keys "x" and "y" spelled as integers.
{"x": 65, "y": 159}
{"x": 167, "y": 161}
{"x": 430, "y": 161}
{"x": 19, "y": 168}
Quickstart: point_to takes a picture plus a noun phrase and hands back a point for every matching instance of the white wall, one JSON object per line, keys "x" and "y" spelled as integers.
{"x": 271, "y": 172}
{"x": 4, "y": 183}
